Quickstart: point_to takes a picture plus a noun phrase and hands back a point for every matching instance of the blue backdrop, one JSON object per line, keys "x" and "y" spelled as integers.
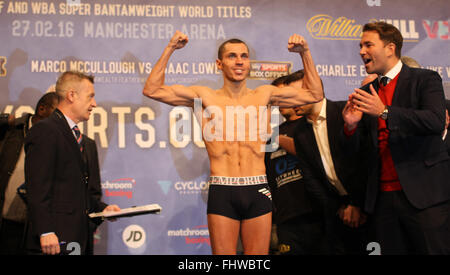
{"x": 141, "y": 159}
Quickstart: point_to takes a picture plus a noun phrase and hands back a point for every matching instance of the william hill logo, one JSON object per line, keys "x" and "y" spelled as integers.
{"x": 323, "y": 26}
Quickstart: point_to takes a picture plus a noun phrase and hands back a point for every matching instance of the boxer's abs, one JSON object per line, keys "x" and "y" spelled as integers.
{"x": 236, "y": 159}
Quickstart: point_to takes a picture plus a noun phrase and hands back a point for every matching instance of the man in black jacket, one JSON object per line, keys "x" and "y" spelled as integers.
{"x": 299, "y": 228}
{"x": 332, "y": 178}
{"x": 57, "y": 173}
{"x": 12, "y": 208}
{"x": 402, "y": 114}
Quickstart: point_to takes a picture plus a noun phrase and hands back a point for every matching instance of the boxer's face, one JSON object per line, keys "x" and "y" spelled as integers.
{"x": 235, "y": 62}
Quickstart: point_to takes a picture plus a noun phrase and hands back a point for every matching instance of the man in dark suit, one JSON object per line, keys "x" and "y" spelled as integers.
{"x": 403, "y": 115}
{"x": 299, "y": 228}
{"x": 13, "y": 210}
{"x": 90, "y": 156}
{"x": 57, "y": 174}
{"x": 330, "y": 176}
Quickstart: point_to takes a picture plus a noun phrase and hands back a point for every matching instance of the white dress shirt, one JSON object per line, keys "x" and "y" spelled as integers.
{"x": 392, "y": 72}
{"x": 321, "y": 134}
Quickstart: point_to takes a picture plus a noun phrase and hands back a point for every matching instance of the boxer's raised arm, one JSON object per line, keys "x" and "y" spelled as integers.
{"x": 311, "y": 79}
{"x": 154, "y": 86}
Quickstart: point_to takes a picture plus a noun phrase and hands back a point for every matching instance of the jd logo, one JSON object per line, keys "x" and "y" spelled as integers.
{"x": 134, "y": 236}
{"x": 2, "y": 66}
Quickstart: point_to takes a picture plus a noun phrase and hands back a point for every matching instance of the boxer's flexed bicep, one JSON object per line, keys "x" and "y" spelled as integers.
{"x": 154, "y": 86}
{"x": 177, "y": 95}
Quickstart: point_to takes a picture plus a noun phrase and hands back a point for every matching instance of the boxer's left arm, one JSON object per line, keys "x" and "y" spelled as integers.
{"x": 311, "y": 79}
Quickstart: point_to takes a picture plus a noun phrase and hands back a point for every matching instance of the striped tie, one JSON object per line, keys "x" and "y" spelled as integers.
{"x": 78, "y": 135}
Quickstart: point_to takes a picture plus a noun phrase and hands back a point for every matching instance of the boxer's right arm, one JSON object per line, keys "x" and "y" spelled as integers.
{"x": 154, "y": 86}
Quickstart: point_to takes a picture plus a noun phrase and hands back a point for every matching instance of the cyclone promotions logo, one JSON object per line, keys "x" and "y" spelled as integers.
{"x": 165, "y": 186}
{"x": 191, "y": 187}
{"x": 196, "y": 235}
{"x": 264, "y": 70}
{"x": 184, "y": 187}
{"x": 134, "y": 236}
{"x": 122, "y": 187}
{"x": 2, "y": 65}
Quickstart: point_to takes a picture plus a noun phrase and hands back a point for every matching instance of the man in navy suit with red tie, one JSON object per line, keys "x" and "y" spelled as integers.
{"x": 60, "y": 192}
{"x": 402, "y": 112}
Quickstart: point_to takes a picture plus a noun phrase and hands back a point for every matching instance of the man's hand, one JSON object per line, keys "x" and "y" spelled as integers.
{"x": 369, "y": 103}
{"x": 352, "y": 216}
{"x": 11, "y": 120}
{"x": 178, "y": 40}
{"x": 112, "y": 208}
{"x": 351, "y": 115}
{"x": 297, "y": 43}
{"x": 50, "y": 244}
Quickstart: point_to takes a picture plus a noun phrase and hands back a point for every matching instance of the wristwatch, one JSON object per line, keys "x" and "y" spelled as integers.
{"x": 384, "y": 114}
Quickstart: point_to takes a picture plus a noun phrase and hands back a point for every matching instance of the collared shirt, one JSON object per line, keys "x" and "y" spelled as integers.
{"x": 71, "y": 125}
{"x": 392, "y": 72}
{"x": 321, "y": 134}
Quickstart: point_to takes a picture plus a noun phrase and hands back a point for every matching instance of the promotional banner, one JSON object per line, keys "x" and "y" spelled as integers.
{"x": 150, "y": 152}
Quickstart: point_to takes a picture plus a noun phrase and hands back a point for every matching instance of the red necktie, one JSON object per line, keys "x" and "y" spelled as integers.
{"x": 79, "y": 136}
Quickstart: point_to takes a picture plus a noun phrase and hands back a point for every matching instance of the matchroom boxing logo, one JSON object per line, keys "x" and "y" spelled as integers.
{"x": 122, "y": 187}
{"x": 197, "y": 235}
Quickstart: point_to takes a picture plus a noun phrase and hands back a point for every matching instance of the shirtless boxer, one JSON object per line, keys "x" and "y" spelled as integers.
{"x": 238, "y": 199}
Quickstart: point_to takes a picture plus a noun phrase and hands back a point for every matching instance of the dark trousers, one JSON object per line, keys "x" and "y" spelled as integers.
{"x": 403, "y": 229}
{"x": 342, "y": 239}
{"x": 12, "y": 238}
{"x": 303, "y": 235}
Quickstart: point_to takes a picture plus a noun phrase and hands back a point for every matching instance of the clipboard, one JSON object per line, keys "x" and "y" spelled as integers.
{"x": 129, "y": 212}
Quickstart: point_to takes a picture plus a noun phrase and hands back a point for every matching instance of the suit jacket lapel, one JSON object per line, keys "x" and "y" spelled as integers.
{"x": 373, "y": 121}
{"x": 309, "y": 139}
{"x": 402, "y": 82}
{"x": 68, "y": 135}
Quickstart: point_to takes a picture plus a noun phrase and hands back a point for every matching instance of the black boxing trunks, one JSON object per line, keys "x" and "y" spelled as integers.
{"x": 239, "y": 198}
